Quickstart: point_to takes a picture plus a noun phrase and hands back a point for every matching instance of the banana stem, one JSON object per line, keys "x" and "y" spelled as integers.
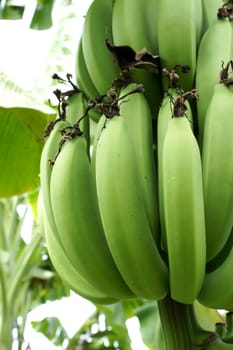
{"x": 180, "y": 328}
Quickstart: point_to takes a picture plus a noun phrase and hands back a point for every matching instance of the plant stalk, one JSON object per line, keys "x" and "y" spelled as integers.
{"x": 180, "y": 328}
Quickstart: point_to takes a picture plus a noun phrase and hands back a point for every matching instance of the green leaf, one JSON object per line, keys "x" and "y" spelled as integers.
{"x": 130, "y": 306}
{"x": 150, "y": 326}
{"x": 21, "y": 143}
{"x": 52, "y": 329}
{"x": 11, "y": 95}
{"x": 110, "y": 328}
{"x": 22, "y": 125}
{"x": 42, "y": 18}
{"x": 13, "y": 12}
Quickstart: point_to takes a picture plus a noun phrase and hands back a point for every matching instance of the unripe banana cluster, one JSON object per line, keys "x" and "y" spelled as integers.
{"x": 139, "y": 202}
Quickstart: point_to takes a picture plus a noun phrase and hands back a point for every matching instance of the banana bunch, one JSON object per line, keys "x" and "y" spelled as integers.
{"x": 91, "y": 272}
{"x": 137, "y": 169}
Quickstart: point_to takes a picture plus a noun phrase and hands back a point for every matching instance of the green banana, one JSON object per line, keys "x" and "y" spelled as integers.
{"x": 121, "y": 199}
{"x": 130, "y": 24}
{"x": 217, "y": 289}
{"x": 179, "y": 45}
{"x": 183, "y": 210}
{"x": 126, "y": 13}
{"x": 152, "y": 88}
{"x": 49, "y": 152}
{"x": 99, "y": 60}
{"x": 120, "y": 33}
{"x": 210, "y": 9}
{"x": 94, "y": 114}
{"x": 97, "y": 132}
{"x": 60, "y": 259}
{"x": 85, "y": 82}
{"x": 136, "y": 113}
{"x": 217, "y": 164}
{"x": 70, "y": 275}
{"x": 83, "y": 78}
{"x": 215, "y": 48}
{"x": 199, "y": 16}
{"x": 221, "y": 256}
{"x": 76, "y": 213}
{"x": 75, "y": 111}
{"x": 164, "y": 116}
{"x": 63, "y": 265}
{"x": 152, "y": 10}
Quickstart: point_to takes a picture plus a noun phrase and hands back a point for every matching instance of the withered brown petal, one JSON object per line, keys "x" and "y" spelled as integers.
{"x": 124, "y": 55}
{"x": 126, "y": 58}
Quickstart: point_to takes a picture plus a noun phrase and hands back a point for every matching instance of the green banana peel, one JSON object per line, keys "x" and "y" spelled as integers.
{"x": 207, "y": 317}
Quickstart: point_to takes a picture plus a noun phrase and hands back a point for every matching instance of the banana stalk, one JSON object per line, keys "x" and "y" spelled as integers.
{"x": 180, "y": 327}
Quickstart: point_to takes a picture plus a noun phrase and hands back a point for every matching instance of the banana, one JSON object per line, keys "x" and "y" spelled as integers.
{"x": 84, "y": 81}
{"x": 49, "y": 152}
{"x": 120, "y": 33}
{"x": 152, "y": 10}
{"x": 221, "y": 256}
{"x": 179, "y": 45}
{"x": 153, "y": 90}
{"x": 82, "y": 75}
{"x": 136, "y": 113}
{"x": 219, "y": 35}
{"x": 183, "y": 210}
{"x": 164, "y": 116}
{"x": 210, "y": 9}
{"x": 76, "y": 214}
{"x": 75, "y": 111}
{"x": 94, "y": 114}
{"x": 63, "y": 265}
{"x": 59, "y": 258}
{"x": 217, "y": 164}
{"x": 217, "y": 289}
{"x": 125, "y": 15}
{"x": 69, "y": 274}
{"x": 99, "y": 61}
{"x": 97, "y": 132}
{"x": 121, "y": 199}
{"x": 130, "y": 24}
{"x": 199, "y": 16}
